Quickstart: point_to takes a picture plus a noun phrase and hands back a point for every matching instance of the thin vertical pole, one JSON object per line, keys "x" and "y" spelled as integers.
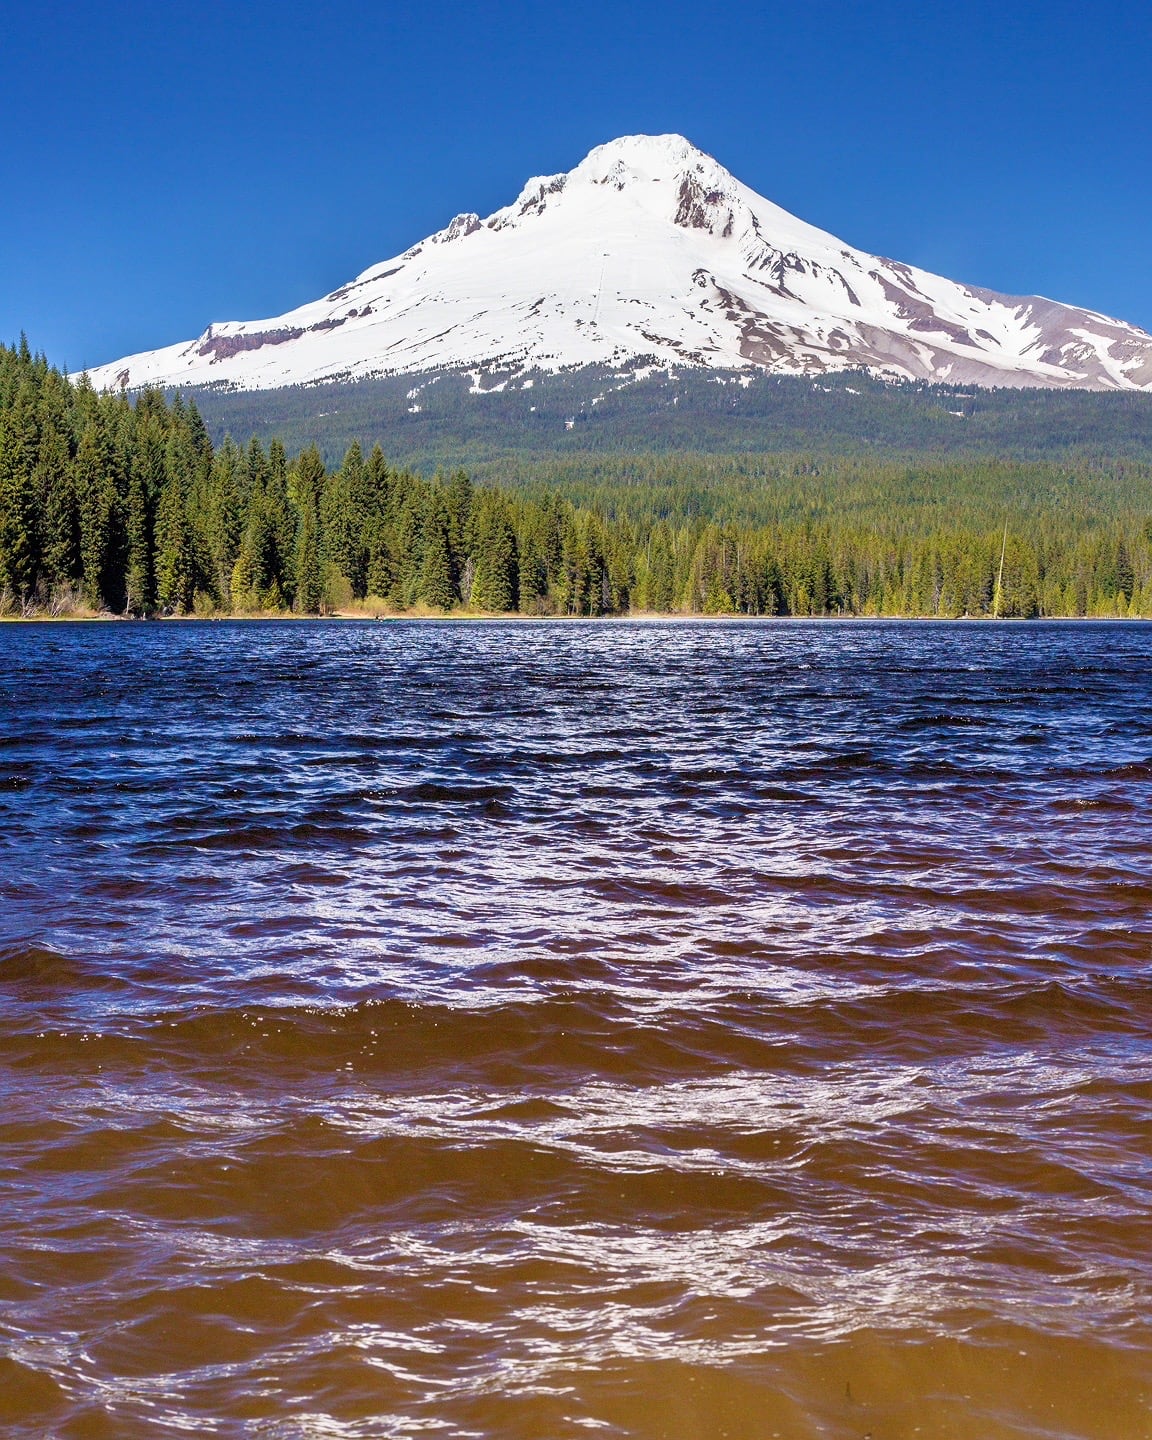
{"x": 1000, "y": 577}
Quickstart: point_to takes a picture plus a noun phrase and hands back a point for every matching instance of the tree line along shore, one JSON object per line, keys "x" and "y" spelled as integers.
{"x": 124, "y": 506}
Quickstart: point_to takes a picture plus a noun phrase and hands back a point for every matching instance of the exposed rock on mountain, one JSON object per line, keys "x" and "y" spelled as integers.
{"x": 651, "y": 253}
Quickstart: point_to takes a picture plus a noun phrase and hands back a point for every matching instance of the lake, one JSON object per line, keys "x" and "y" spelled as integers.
{"x": 542, "y": 1030}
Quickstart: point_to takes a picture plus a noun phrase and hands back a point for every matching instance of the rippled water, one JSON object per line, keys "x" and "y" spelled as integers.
{"x": 540, "y": 1030}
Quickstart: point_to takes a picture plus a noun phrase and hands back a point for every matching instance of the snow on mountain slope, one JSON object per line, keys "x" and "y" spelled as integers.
{"x": 649, "y": 251}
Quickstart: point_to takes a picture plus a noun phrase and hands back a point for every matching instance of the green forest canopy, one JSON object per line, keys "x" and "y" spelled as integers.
{"x": 475, "y": 419}
{"x": 125, "y": 505}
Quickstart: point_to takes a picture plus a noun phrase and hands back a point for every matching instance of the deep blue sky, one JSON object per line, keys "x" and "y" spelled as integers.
{"x": 165, "y": 165}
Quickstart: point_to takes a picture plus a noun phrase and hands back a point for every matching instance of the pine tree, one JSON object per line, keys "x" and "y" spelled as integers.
{"x": 381, "y": 572}
{"x": 376, "y": 478}
{"x": 355, "y": 491}
{"x": 60, "y": 512}
{"x": 458, "y": 502}
{"x": 340, "y": 525}
{"x": 54, "y": 493}
{"x": 139, "y": 589}
{"x": 533, "y": 575}
{"x": 19, "y": 541}
{"x": 96, "y": 497}
{"x": 309, "y": 579}
{"x": 661, "y": 579}
{"x": 256, "y": 468}
{"x": 436, "y": 587}
{"x": 241, "y": 587}
{"x": 405, "y": 545}
{"x": 200, "y": 441}
{"x": 308, "y": 485}
{"x": 575, "y": 569}
{"x": 495, "y": 583}
{"x": 280, "y": 514}
{"x": 224, "y": 515}
{"x": 175, "y": 553}
{"x": 1125, "y": 574}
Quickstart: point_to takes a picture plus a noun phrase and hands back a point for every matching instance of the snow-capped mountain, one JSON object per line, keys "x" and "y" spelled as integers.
{"x": 650, "y": 252}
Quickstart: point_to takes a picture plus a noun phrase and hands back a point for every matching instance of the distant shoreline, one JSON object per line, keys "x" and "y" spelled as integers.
{"x": 637, "y": 617}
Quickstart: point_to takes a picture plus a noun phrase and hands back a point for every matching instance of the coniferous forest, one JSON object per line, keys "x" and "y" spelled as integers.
{"x": 123, "y": 505}
{"x": 455, "y": 417}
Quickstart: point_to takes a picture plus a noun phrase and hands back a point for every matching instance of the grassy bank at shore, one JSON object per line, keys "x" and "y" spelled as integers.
{"x": 366, "y": 610}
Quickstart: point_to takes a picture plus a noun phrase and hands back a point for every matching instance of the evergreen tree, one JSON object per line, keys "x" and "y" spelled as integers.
{"x": 309, "y": 579}
{"x": 342, "y": 521}
{"x": 1125, "y": 574}
{"x": 139, "y": 587}
{"x": 436, "y": 585}
{"x": 175, "y": 554}
{"x": 97, "y": 505}
{"x": 381, "y": 571}
{"x": 532, "y": 572}
{"x": 19, "y": 542}
{"x": 60, "y": 512}
{"x": 458, "y": 501}
{"x": 281, "y": 518}
{"x": 309, "y": 479}
{"x": 223, "y": 515}
{"x": 495, "y": 582}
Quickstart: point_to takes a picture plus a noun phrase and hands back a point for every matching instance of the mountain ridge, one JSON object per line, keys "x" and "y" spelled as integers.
{"x": 650, "y": 253}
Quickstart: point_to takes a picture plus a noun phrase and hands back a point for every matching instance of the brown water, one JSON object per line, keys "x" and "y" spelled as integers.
{"x": 558, "y": 1030}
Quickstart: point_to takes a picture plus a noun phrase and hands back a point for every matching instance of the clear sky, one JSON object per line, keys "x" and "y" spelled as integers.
{"x": 165, "y": 165}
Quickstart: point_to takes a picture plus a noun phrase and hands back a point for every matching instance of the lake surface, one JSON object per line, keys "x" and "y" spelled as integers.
{"x": 548, "y": 1030}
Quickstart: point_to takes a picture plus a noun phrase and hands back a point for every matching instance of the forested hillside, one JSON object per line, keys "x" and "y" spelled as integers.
{"x": 125, "y": 505}
{"x": 454, "y": 418}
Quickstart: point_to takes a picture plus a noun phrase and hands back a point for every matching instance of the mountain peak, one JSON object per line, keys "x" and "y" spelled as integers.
{"x": 650, "y": 252}
{"x": 648, "y": 156}
{"x": 661, "y": 159}
{"x": 628, "y": 162}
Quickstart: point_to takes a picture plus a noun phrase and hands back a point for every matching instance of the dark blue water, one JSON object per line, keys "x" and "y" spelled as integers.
{"x": 547, "y": 1029}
